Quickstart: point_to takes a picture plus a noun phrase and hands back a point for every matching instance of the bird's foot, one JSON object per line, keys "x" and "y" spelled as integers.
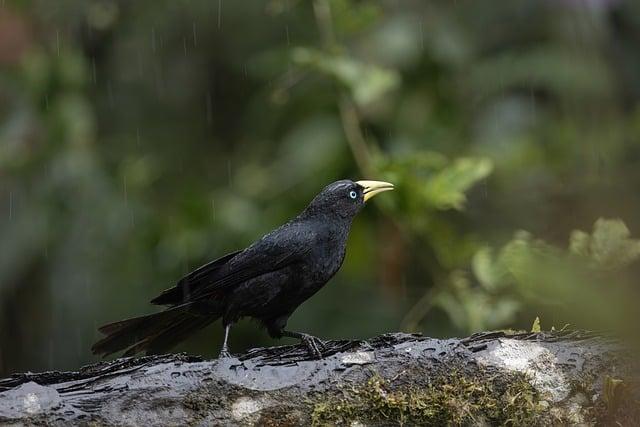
{"x": 314, "y": 345}
{"x": 224, "y": 354}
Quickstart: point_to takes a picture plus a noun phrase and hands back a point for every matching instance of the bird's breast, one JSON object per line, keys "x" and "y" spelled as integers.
{"x": 326, "y": 257}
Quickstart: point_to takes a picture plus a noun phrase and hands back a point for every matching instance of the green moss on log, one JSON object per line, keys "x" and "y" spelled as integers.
{"x": 456, "y": 399}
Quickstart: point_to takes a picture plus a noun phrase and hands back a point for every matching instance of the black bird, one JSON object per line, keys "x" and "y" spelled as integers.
{"x": 266, "y": 281}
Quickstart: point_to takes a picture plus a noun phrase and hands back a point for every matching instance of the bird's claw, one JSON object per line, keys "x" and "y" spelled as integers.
{"x": 315, "y": 345}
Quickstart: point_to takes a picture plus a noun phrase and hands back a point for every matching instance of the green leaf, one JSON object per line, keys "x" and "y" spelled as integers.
{"x": 490, "y": 272}
{"x": 579, "y": 243}
{"x": 472, "y": 309}
{"x": 446, "y": 189}
{"x": 609, "y": 246}
{"x": 535, "y": 327}
{"x": 353, "y": 17}
{"x": 366, "y": 82}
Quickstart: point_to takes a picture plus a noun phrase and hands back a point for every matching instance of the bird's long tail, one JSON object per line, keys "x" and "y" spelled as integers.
{"x": 153, "y": 333}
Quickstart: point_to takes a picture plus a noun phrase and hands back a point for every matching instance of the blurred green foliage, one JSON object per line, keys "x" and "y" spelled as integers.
{"x": 141, "y": 139}
{"x": 585, "y": 278}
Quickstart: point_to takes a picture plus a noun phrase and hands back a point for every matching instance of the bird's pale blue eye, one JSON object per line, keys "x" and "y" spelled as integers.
{"x": 353, "y": 194}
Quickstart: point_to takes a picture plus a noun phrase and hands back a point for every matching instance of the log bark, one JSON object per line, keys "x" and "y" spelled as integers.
{"x": 488, "y": 378}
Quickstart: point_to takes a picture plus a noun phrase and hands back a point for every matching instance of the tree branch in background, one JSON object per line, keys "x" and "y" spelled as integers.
{"x": 348, "y": 112}
{"x": 354, "y": 135}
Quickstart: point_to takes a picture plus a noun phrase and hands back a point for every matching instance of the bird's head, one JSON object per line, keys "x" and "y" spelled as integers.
{"x": 345, "y": 198}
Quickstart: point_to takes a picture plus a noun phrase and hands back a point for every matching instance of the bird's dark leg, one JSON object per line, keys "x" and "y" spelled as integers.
{"x": 314, "y": 345}
{"x": 225, "y": 349}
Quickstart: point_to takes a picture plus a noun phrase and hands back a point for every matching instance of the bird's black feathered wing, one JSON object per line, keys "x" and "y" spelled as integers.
{"x": 192, "y": 282}
{"x": 158, "y": 332}
{"x": 283, "y": 246}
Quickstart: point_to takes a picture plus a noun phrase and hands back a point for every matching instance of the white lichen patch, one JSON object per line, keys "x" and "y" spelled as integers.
{"x": 358, "y": 358}
{"x": 246, "y": 406}
{"x": 29, "y": 398}
{"x": 532, "y": 359}
{"x": 31, "y": 403}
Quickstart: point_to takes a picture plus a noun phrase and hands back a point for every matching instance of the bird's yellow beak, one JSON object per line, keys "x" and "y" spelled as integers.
{"x": 371, "y": 188}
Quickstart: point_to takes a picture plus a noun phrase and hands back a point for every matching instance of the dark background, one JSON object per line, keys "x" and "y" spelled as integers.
{"x": 141, "y": 139}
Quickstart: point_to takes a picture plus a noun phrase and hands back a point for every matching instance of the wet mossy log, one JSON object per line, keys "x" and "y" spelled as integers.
{"x": 488, "y": 378}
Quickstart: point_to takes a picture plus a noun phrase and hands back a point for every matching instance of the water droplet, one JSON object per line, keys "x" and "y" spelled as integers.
{"x": 209, "y": 108}
{"x": 110, "y": 94}
{"x": 125, "y": 191}
{"x": 140, "y": 71}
